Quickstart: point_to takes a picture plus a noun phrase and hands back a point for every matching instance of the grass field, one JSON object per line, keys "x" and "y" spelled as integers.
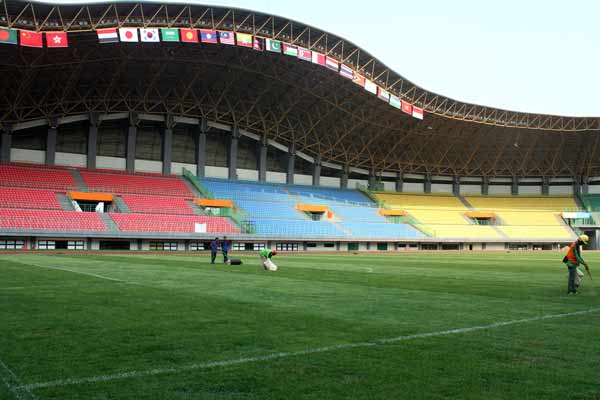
{"x": 413, "y": 326}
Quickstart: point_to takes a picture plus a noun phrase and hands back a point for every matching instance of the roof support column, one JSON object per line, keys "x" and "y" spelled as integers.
{"x": 456, "y": 186}
{"x": 399, "y": 184}
{"x": 545, "y": 186}
{"x": 344, "y": 177}
{"x": 485, "y": 186}
{"x": 585, "y": 186}
{"x": 201, "y": 148}
{"x": 5, "y": 143}
{"x": 372, "y": 180}
{"x": 316, "y": 179}
{"x": 427, "y": 184}
{"x": 167, "y": 148}
{"x": 233, "y": 152}
{"x": 131, "y": 140}
{"x": 514, "y": 189}
{"x": 51, "y": 142}
{"x": 576, "y": 186}
{"x": 262, "y": 159}
{"x": 291, "y": 161}
{"x": 92, "y": 145}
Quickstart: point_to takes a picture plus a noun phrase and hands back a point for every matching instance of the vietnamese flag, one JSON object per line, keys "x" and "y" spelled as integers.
{"x": 57, "y": 39}
{"x": 30, "y": 39}
{"x": 189, "y": 35}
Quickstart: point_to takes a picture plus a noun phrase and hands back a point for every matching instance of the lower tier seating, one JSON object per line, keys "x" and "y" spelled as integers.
{"x": 11, "y": 197}
{"x": 47, "y": 178}
{"x": 170, "y": 223}
{"x": 295, "y": 228}
{"x": 157, "y": 204}
{"x": 50, "y": 220}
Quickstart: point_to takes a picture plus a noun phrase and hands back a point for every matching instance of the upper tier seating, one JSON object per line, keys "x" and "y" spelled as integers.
{"x": 50, "y": 220}
{"x": 170, "y": 223}
{"x": 32, "y": 177}
{"x": 336, "y": 196}
{"x": 520, "y": 203}
{"x": 157, "y": 204}
{"x": 122, "y": 183}
{"x": 11, "y": 197}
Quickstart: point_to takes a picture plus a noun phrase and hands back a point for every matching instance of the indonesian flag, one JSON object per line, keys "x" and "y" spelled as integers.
{"x": 407, "y": 107}
{"x": 359, "y": 80}
{"x": 149, "y": 35}
{"x": 128, "y": 34}
{"x": 57, "y": 39}
{"x": 107, "y": 35}
{"x": 304, "y": 54}
{"x": 30, "y": 39}
{"x": 370, "y": 86}
{"x": 417, "y": 112}
{"x": 332, "y": 64}
{"x": 318, "y": 58}
{"x": 189, "y": 35}
{"x": 244, "y": 39}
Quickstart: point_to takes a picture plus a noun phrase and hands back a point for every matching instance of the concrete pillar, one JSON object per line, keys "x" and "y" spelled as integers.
{"x": 291, "y": 161}
{"x": 167, "y": 148}
{"x": 51, "y": 143}
{"x": 585, "y": 186}
{"x": 233, "y": 153}
{"x": 262, "y": 160}
{"x": 485, "y": 186}
{"x": 131, "y": 139}
{"x": 344, "y": 177}
{"x": 545, "y": 186}
{"x": 201, "y": 149}
{"x": 514, "y": 190}
{"x": 316, "y": 179}
{"x": 456, "y": 186}
{"x": 427, "y": 184}
{"x": 576, "y": 186}
{"x": 5, "y": 143}
{"x": 399, "y": 181}
{"x": 372, "y": 180}
{"x": 92, "y": 145}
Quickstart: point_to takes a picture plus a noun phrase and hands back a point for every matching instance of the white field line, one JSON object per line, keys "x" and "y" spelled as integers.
{"x": 14, "y": 385}
{"x": 275, "y": 356}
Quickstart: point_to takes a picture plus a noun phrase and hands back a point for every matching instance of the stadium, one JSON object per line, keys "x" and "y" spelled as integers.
{"x": 133, "y": 133}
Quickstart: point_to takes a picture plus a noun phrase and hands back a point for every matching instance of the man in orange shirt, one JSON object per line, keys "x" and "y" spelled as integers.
{"x": 573, "y": 260}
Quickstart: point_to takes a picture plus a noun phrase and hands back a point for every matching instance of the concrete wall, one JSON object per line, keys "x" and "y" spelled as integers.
{"x": 321, "y": 247}
{"x": 494, "y": 246}
{"x": 330, "y": 181}
{"x": 499, "y": 189}
{"x": 276, "y": 177}
{"x": 70, "y": 159}
{"x": 470, "y": 189}
{"x": 148, "y": 166}
{"x": 247, "y": 174}
{"x": 441, "y": 188}
{"x": 216, "y": 172}
{"x": 594, "y": 189}
{"x": 353, "y": 183}
{"x": 111, "y": 162}
{"x": 177, "y": 168}
{"x": 413, "y": 187}
{"x": 30, "y": 156}
{"x": 302, "y": 179}
{"x": 561, "y": 189}
{"x": 530, "y": 190}
{"x": 389, "y": 186}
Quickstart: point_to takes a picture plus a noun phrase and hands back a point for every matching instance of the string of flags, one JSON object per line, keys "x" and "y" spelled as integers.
{"x": 157, "y": 35}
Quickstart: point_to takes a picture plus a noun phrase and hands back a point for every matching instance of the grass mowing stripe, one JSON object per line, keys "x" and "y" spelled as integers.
{"x": 275, "y": 356}
{"x": 14, "y": 385}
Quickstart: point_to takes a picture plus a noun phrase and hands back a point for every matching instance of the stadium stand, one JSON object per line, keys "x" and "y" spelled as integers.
{"x": 157, "y": 204}
{"x": 50, "y": 220}
{"x": 13, "y": 197}
{"x": 133, "y": 183}
{"x": 36, "y": 177}
{"x": 170, "y": 223}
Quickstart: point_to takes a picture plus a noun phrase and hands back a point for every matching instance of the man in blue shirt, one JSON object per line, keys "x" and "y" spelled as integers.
{"x": 214, "y": 249}
{"x": 225, "y": 248}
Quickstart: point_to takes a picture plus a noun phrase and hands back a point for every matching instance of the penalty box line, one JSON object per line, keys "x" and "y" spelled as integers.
{"x": 281, "y": 355}
{"x": 13, "y": 384}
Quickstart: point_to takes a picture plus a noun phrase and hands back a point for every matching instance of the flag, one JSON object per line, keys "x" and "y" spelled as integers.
{"x": 189, "y": 35}
{"x": 318, "y": 58}
{"x": 128, "y": 34}
{"x": 107, "y": 35}
{"x": 417, "y": 112}
{"x": 30, "y": 39}
{"x": 304, "y": 54}
{"x": 169, "y": 34}
{"x": 8, "y": 36}
{"x": 359, "y": 79}
{"x": 57, "y": 39}
{"x": 243, "y": 39}
{"x": 370, "y": 86}
{"x": 407, "y": 107}
{"x": 273, "y": 45}
{"x": 289, "y": 50}
{"x": 395, "y": 101}
{"x": 346, "y": 72}
{"x": 258, "y": 43}
{"x": 149, "y": 35}
{"x": 208, "y": 36}
{"x": 332, "y": 64}
{"x": 226, "y": 37}
{"x": 383, "y": 94}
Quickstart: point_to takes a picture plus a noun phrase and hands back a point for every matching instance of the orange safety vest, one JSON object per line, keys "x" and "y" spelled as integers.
{"x": 571, "y": 254}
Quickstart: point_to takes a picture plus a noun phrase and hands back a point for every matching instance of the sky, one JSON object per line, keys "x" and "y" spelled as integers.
{"x": 522, "y": 55}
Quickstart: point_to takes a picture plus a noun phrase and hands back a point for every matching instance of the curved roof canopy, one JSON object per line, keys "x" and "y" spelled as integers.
{"x": 304, "y": 105}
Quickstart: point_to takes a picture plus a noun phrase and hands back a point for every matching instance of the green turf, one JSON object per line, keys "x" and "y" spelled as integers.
{"x": 71, "y": 317}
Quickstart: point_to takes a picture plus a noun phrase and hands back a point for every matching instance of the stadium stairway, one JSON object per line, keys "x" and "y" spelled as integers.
{"x": 81, "y": 186}
{"x": 499, "y": 231}
{"x": 192, "y": 188}
{"x": 108, "y": 221}
{"x": 121, "y": 205}
{"x": 197, "y": 210}
{"x": 465, "y": 202}
{"x": 65, "y": 202}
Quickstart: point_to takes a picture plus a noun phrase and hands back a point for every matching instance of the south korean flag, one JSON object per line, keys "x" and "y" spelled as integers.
{"x": 149, "y": 35}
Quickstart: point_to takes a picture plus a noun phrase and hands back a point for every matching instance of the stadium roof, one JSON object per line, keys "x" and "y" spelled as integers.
{"x": 306, "y": 106}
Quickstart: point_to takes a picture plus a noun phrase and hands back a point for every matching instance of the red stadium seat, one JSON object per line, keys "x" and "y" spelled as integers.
{"x": 157, "y": 204}
{"x": 11, "y": 197}
{"x": 50, "y": 220}
{"x": 47, "y": 178}
{"x": 170, "y": 223}
{"x": 123, "y": 183}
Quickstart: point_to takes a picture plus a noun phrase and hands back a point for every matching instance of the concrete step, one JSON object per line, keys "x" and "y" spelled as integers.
{"x": 65, "y": 202}
{"x": 197, "y": 210}
{"x": 121, "y": 205}
{"x": 79, "y": 180}
{"x": 108, "y": 221}
{"x": 465, "y": 202}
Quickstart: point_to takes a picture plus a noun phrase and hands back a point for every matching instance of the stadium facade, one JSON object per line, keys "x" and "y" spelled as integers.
{"x": 244, "y": 96}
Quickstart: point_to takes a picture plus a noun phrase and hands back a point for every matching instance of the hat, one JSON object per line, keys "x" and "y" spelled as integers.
{"x": 584, "y": 238}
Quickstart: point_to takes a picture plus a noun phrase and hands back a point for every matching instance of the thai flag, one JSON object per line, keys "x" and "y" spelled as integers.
{"x": 346, "y": 72}
{"x": 226, "y": 37}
